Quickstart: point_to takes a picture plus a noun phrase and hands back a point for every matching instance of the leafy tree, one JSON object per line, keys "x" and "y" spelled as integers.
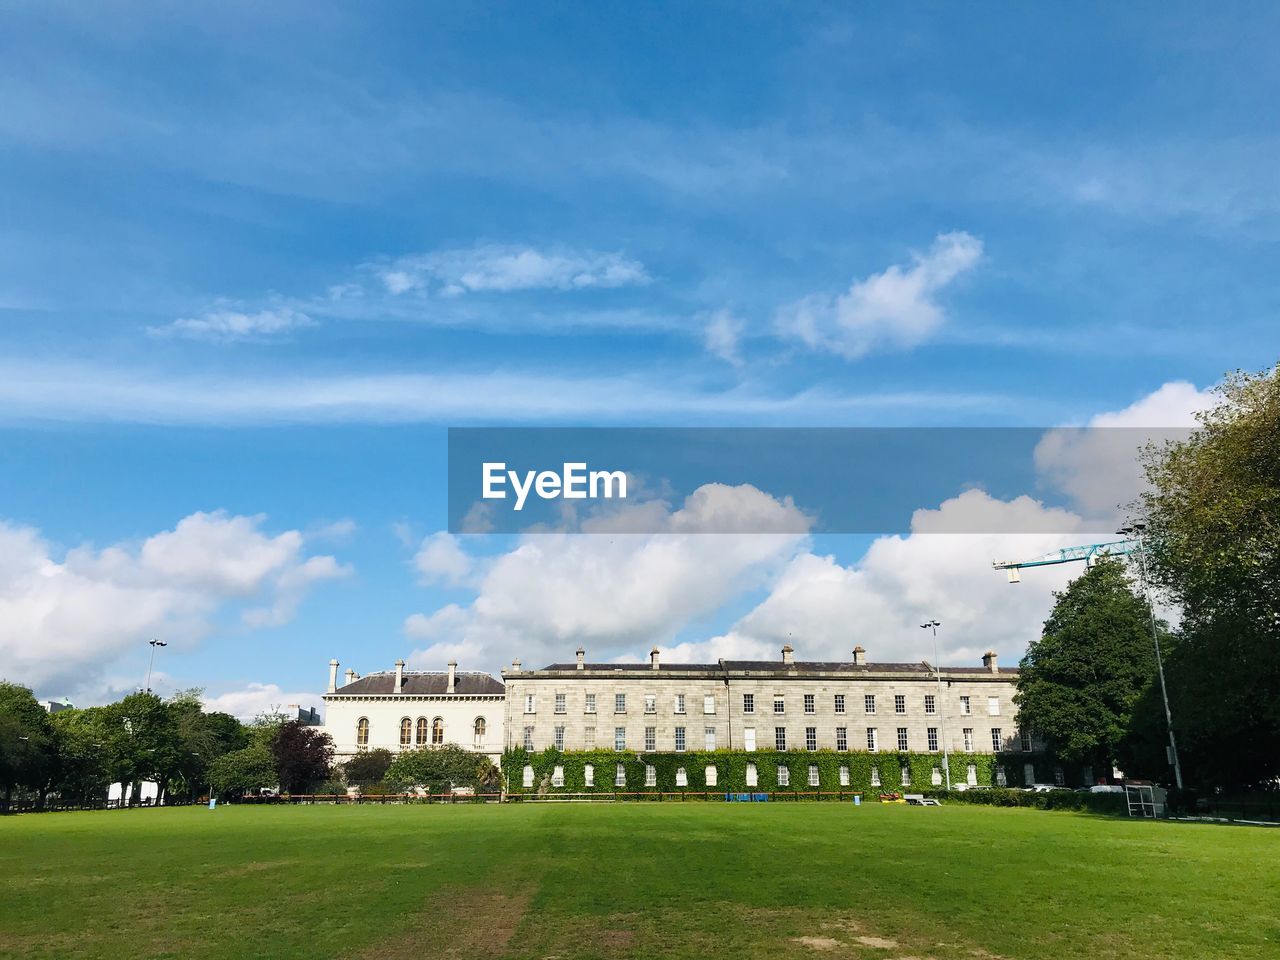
{"x": 142, "y": 743}
{"x": 1214, "y": 546}
{"x": 303, "y": 755}
{"x": 368, "y": 766}
{"x": 83, "y": 773}
{"x": 240, "y": 771}
{"x": 1079, "y": 684}
{"x": 438, "y": 769}
{"x": 28, "y": 754}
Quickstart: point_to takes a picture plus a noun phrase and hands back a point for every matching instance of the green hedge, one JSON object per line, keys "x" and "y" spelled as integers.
{"x": 731, "y": 767}
{"x": 1110, "y": 803}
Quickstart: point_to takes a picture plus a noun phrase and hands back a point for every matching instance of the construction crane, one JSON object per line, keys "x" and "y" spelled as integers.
{"x": 1089, "y": 553}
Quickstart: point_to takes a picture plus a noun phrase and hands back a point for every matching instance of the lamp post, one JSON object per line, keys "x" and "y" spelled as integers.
{"x": 937, "y": 672}
{"x": 152, "y": 663}
{"x": 1135, "y": 530}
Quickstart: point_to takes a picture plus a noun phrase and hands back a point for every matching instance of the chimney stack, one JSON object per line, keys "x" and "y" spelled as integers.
{"x": 453, "y": 675}
{"x": 788, "y": 655}
{"x": 515, "y": 666}
{"x": 350, "y": 675}
{"x": 582, "y": 659}
{"x": 859, "y": 656}
{"x": 399, "y": 676}
{"x": 333, "y": 675}
{"x": 989, "y": 661}
{"x": 653, "y": 658}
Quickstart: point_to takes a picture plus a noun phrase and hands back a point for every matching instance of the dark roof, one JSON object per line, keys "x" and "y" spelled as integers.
{"x": 777, "y": 666}
{"x": 420, "y": 684}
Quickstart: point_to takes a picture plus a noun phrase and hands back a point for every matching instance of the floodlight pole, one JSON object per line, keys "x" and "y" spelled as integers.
{"x": 937, "y": 672}
{"x": 152, "y": 663}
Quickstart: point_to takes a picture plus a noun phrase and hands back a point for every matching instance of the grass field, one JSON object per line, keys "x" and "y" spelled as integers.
{"x": 633, "y": 880}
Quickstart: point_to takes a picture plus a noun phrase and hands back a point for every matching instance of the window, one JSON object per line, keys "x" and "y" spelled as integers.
{"x": 844, "y": 776}
{"x": 620, "y": 776}
{"x": 1059, "y": 778}
{"x": 557, "y": 776}
{"x": 784, "y": 777}
{"x": 420, "y": 735}
{"x": 899, "y": 703}
{"x": 842, "y": 738}
{"x": 650, "y": 703}
{"x": 906, "y": 775}
{"x": 406, "y": 733}
{"x": 362, "y": 732}
{"x": 993, "y": 706}
{"x": 839, "y": 703}
{"x": 589, "y": 706}
{"x": 589, "y": 775}
{"x": 752, "y": 777}
{"x": 682, "y": 778}
{"x": 811, "y": 738}
{"x": 1002, "y": 780}
{"x": 809, "y": 706}
{"x": 679, "y": 706}
{"x": 619, "y": 738}
{"x": 619, "y": 703}
{"x": 528, "y": 738}
{"x": 559, "y": 703}
{"x": 997, "y": 741}
{"x": 530, "y": 703}
{"x": 1028, "y": 774}
{"x": 650, "y": 775}
{"x": 748, "y": 703}
{"x": 1025, "y": 737}
{"x": 933, "y": 738}
{"x": 437, "y": 732}
{"x": 971, "y": 775}
{"x": 902, "y": 739}
{"x": 779, "y": 738}
{"x": 869, "y": 703}
{"x": 930, "y": 703}
{"x": 559, "y": 738}
{"x": 709, "y": 703}
{"x": 749, "y": 739}
{"x": 589, "y": 737}
{"x": 813, "y": 775}
{"x": 712, "y": 775}
{"x": 873, "y": 744}
{"x": 709, "y": 738}
{"x": 968, "y": 739}
{"x": 936, "y": 776}
{"x": 528, "y": 776}
{"x": 651, "y": 738}
{"x": 779, "y": 704}
{"x": 964, "y": 706}
{"x": 679, "y": 739}
{"x": 478, "y": 731}
{"x": 875, "y": 775}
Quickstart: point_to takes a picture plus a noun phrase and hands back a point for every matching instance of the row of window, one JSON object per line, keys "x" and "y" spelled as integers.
{"x": 411, "y": 734}
{"x": 782, "y": 776}
{"x": 680, "y": 739}
{"x": 679, "y": 704}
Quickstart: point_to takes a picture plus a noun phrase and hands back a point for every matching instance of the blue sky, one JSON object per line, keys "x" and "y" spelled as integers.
{"x": 256, "y": 261}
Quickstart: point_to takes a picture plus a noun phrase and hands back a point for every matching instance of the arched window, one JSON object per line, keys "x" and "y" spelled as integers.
{"x": 437, "y": 732}
{"x": 479, "y": 731}
{"x": 421, "y": 739}
{"x": 362, "y": 732}
{"x": 406, "y": 731}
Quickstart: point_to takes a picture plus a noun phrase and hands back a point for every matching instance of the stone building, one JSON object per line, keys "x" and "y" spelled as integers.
{"x": 402, "y": 710}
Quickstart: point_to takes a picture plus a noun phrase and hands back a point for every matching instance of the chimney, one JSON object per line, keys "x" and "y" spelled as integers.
{"x": 788, "y": 655}
{"x": 859, "y": 656}
{"x": 653, "y": 658}
{"x": 333, "y": 675}
{"x": 515, "y": 666}
{"x": 399, "y": 676}
{"x": 350, "y": 675}
{"x": 582, "y": 659}
{"x": 453, "y": 675}
{"x": 989, "y": 661}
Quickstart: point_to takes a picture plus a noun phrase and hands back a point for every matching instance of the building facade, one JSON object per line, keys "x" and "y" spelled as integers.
{"x": 404, "y": 710}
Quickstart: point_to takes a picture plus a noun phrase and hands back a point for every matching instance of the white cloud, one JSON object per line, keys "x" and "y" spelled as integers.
{"x": 441, "y": 559}
{"x": 501, "y": 269}
{"x": 258, "y": 698}
{"x": 64, "y": 621}
{"x": 723, "y": 336}
{"x": 893, "y": 309}
{"x": 228, "y": 326}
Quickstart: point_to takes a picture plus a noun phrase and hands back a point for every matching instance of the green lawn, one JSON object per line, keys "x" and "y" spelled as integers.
{"x": 632, "y": 880}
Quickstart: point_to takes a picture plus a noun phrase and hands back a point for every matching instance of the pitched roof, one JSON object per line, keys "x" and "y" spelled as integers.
{"x": 466, "y": 683}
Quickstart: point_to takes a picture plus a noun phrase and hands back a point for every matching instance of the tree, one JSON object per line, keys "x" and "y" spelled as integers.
{"x": 1079, "y": 684}
{"x": 303, "y": 756}
{"x": 368, "y": 766}
{"x": 142, "y": 742}
{"x": 1213, "y": 516}
{"x": 240, "y": 771}
{"x": 28, "y": 752}
{"x": 438, "y": 769}
{"x": 83, "y": 774}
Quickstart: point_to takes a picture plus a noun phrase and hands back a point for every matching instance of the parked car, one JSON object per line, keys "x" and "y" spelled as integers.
{"x": 1042, "y": 788}
{"x": 1101, "y": 788}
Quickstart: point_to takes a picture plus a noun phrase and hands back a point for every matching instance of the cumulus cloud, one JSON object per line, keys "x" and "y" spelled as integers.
{"x": 894, "y": 309}
{"x": 259, "y": 698}
{"x": 227, "y": 325}
{"x": 501, "y": 269}
{"x": 441, "y": 559}
{"x": 66, "y": 616}
{"x": 723, "y": 336}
